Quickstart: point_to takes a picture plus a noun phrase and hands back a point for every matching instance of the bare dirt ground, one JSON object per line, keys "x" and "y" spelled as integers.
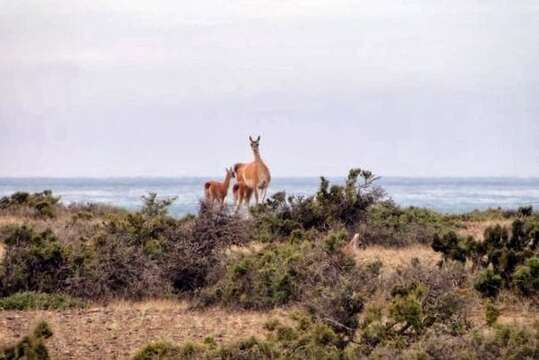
{"x": 119, "y": 330}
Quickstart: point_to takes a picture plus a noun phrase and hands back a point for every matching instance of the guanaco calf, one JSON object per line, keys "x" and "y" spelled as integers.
{"x": 242, "y": 194}
{"x": 216, "y": 191}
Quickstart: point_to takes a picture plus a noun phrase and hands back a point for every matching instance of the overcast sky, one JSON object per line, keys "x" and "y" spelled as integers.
{"x": 133, "y": 88}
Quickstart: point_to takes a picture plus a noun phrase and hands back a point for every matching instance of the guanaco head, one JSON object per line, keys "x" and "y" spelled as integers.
{"x": 255, "y": 144}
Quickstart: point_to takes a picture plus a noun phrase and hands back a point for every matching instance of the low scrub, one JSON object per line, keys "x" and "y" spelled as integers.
{"x": 30, "y": 300}
{"x": 43, "y": 204}
{"x": 331, "y": 206}
{"x": 31, "y": 347}
{"x": 316, "y": 274}
{"x": 390, "y": 225}
{"x": 509, "y": 342}
{"x": 418, "y": 299}
{"x": 34, "y": 262}
{"x": 307, "y": 339}
{"x": 311, "y": 339}
{"x": 507, "y": 258}
{"x": 130, "y": 255}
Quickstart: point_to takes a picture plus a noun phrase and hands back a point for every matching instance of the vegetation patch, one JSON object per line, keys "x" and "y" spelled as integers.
{"x": 331, "y": 206}
{"x": 311, "y": 339}
{"x": 30, "y": 300}
{"x": 130, "y": 255}
{"x": 42, "y": 204}
{"x": 507, "y": 258}
{"x": 31, "y": 347}
{"x": 390, "y": 225}
{"x": 315, "y": 274}
{"x": 307, "y": 339}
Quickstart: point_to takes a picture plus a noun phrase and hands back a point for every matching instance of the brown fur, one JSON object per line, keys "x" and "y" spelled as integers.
{"x": 242, "y": 194}
{"x": 216, "y": 191}
{"x": 255, "y": 175}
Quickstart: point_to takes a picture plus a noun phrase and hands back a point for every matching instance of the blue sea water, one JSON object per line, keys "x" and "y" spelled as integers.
{"x": 451, "y": 195}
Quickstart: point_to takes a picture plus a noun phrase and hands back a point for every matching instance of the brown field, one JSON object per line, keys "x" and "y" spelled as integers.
{"x": 117, "y": 331}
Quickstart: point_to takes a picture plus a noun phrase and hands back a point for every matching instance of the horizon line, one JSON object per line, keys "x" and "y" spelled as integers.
{"x": 274, "y": 177}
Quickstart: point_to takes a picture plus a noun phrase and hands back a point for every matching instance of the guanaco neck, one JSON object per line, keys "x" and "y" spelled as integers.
{"x": 227, "y": 181}
{"x": 256, "y": 153}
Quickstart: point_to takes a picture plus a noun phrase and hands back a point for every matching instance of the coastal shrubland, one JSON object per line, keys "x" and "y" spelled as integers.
{"x": 505, "y": 257}
{"x": 292, "y": 254}
{"x": 42, "y": 204}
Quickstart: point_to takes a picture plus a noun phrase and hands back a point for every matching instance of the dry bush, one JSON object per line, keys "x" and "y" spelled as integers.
{"x": 196, "y": 249}
{"x": 129, "y": 255}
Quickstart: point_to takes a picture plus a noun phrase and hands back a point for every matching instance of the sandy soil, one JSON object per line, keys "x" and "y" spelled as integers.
{"x": 119, "y": 330}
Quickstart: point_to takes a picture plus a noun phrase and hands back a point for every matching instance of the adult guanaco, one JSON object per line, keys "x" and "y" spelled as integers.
{"x": 255, "y": 175}
{"x": 216, "y": 191}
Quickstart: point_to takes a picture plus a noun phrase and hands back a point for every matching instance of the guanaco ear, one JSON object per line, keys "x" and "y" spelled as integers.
{"x": 251, "y": 139}
{"x": 258, "y": 138}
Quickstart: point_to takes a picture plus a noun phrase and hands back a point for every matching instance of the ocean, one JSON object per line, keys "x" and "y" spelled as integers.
{"x": 450, "y": 195}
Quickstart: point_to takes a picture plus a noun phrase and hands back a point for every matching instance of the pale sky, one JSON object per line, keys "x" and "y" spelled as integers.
{"x": 169, "y": 88}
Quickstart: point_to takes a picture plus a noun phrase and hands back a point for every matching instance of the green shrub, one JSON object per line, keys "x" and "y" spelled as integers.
{"x": 33, "y": 261}
{"x": 315, "y": 274}
{"x": 30, "y": 300}
{"x": 419, "y": 299}
{"x": 506, "y": 257}
{"x": 31, "y": 347}
{"x": 491, "y": 313}
{"x": 271, "y": 277}
{"x": 245, "y": 349}
{"x": 154, "y": 207}
{"x": 390, "y": 225}
{"x": 488, "y": 283}
{"x": 526, "y": 276}
{"x": 308, "y": 339}
{"x": 330, "y": 206}
{"x": 43, "y": 204}
{"x": 505, "y": 342}
{"x": 450, "y": 245}
{"x": 525, "y": 211}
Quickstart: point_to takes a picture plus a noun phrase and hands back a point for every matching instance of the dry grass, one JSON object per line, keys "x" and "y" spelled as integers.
{"x": 251, "y": 248}
{"x": 10, "y": 220}
{"x": 477, "y": 228}
{"x": 394, "y": 258}
{"x": 120, "y": 329}
{"x": 513, "y": 309}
